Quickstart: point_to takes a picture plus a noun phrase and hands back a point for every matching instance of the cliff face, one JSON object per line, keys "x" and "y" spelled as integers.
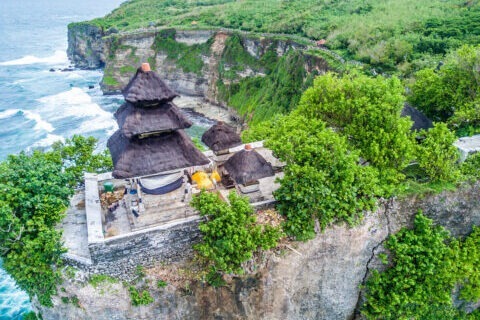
{"x": 191, "y": 62}
{"x": 85, "y": 46}
{"x": 319, "y": 279}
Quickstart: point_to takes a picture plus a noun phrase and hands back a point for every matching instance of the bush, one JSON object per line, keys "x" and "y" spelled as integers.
{"x": 451, "y": 93}
{"x": 426, "y": 266}
{"x": 366, "y": 111}
{"x": 139, "y": 298}
{"x": 230, "y": 235}
{"x": 470, "y": 169}
{"x": 437, "y": 155}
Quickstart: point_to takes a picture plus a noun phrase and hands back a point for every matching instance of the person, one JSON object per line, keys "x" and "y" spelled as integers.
{"x": 188, "y": 192}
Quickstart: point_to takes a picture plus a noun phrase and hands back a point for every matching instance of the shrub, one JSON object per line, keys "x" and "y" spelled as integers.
{"x": 437, "y": 155}
{"x": 366, "y": 111}
{"x": 139, "y": 298}
{"x": 426, "y": 266}
{"x": 161, "y": 284}
{"x": 230, "y": 234}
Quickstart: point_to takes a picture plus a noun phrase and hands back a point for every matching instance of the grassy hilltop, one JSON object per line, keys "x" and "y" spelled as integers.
{"x": 390, "y": 34}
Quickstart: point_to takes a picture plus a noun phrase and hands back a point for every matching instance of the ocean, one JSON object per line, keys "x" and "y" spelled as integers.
{"x": 38, "y": 106}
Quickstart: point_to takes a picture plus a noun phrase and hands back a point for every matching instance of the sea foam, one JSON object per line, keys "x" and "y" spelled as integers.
{"x": 40, "y": 124}
{"x": 77, "y": 104}
{"x": 59, "y": 57}
{"x": 9, "y": 113}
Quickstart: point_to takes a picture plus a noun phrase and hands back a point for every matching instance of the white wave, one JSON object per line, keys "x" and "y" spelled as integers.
{"x": 12, "y": 300}
{"x": 48, "y": 140}
{"x": 59, "y": 57}
{"x": 8, "y": 113}
{"x": 76, "y": 104}
{"x": 40, "y": 124}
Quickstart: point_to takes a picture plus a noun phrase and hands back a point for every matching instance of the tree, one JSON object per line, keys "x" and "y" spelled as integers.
{"x": 437, "y": 155}
{"x": 322, "y": 179}
{"x": 36, "y": 189}
{"x": 78, "y": 156}
{"x": 367, "y": 112}
{"x": 451, "y": 92}
{"x": 230, "y": 233}
{"x": 35, "y": 193}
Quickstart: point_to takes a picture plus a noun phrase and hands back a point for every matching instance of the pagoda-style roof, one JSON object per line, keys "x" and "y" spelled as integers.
{"x": 140, "y": 157}
{"x": 420, "y": 121}
{"x": 220, "y": 137}
{"x": 146, "y": 89}
{"x": 135, "y": 121}
{"x": 247, "y": 166}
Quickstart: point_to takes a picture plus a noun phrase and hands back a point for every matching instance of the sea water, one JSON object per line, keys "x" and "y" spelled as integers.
{"x": 38, "y": 107}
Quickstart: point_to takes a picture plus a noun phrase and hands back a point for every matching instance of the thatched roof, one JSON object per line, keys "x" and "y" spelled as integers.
{"x": 247, "y": 166}
{"x": 220, "y": 137}
{"x": 147, "y": 89}
{"x": 420, "y": 121}
{"x": 133, "y": 121}
{"x": 139, "y": 157}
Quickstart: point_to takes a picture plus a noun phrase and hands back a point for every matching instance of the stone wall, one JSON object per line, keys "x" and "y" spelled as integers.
{"x": 119, "y": 256}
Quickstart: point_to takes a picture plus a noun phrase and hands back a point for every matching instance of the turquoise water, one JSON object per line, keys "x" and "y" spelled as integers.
{"x": 37, "y": 106}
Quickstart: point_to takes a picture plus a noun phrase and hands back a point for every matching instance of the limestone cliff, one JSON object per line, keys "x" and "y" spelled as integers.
{"x": 318, "y": 279}
{"x": 193, "y": 62}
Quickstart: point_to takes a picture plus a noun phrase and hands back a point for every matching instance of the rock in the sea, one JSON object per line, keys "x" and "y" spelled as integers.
{"x": 91, "y": 86}
{"x": 52, "y": 70}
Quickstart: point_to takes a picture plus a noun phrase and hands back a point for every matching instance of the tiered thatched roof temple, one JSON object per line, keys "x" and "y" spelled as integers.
{"x": 220, "y": 137}
{"x": 151, "y": 139}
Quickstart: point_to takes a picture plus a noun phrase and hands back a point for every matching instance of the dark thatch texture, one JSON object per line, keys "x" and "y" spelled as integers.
{"x": 420, "y": 121}
{"x": 147, "y": 89}
{"x": 139, "y": 157}
{"x": 134, "y": 121}
{"x": 220, "y": 137}
{"x": 247, "y": 166}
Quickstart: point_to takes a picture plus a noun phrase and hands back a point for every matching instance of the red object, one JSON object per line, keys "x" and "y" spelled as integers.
{"x": 321, "y": 42}
{"x": 248, "y": 147}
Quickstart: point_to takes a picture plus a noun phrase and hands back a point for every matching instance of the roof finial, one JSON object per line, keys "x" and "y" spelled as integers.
{"x": 146, "y": 67}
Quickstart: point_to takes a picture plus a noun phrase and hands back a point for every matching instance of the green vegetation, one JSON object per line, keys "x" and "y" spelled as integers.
{"x": 97, "y": 279}
{"x": 367, "y": 111}
{"x": 437, "y": 155}
{"x": 426, "y": 266}
{"x": 452, "y": 92}
{"x": 110, "y": 81}
{"x": 261, "y": 98}
{"x": 161, "y": 284}
{"x": 346, "y": 144}
{"x": 32, "y": 316}
{"x": 35, "y": 193}
{"x": 78, "y": 156}
{"x": 189, "y": 58}
{"x": 230, "y": 235}
{"x": 382, "y": 33}
{"x": 323, "y": 180}
{"x": 139, "y": 298}
{"x": 470, "y": 169}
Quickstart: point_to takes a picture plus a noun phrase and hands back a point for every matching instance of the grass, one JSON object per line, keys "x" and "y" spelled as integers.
{"x": 110, "y": 81}
{"x": 98, "y": 279}
{"x": 387, "y": 34}
{"x": 188, "y": 58}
